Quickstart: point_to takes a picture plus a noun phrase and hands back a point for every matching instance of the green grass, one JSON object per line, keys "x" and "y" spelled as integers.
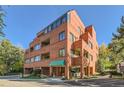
{"x": 117, "y": 77}
{"x": 31, "y": 77}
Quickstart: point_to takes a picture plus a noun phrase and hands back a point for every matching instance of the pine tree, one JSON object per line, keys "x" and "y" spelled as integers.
{"x": 1, "y": 23}
{"x": 117, "y": 44}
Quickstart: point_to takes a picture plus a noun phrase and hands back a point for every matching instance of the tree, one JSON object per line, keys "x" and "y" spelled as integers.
{"x": 103, "y": 60}
{"x": 1, "y": 22}
{"x": 11, "y": 56}
{"x": 117, "y": 45}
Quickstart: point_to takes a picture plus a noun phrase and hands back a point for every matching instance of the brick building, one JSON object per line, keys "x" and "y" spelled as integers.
{"x": 63, "y": 48}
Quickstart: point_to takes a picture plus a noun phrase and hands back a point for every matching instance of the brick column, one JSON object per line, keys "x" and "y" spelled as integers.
{"x": 82, "y": 65}
{"x": 88, "y": 68}
{"x": 67, "y": 72}
{"x": 50, "y": 70}
{"x": 82, "y": 70}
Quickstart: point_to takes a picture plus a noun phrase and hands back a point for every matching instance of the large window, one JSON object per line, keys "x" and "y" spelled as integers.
{"x": 62, "y": 52}
{"x": 72, "y": 38}
{"x": 37, "y": 47}
{"x": 62, "y": 36}
{"x": 37, "y": 58}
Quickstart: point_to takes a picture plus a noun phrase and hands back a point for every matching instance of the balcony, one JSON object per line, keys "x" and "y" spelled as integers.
{"x": 45, "y": 56}
{"x": 45, "y": 43}
{"x": 77, "y": 61}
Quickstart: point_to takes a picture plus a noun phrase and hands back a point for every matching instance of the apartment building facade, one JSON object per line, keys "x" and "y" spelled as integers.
{"x": 63, "y": 48}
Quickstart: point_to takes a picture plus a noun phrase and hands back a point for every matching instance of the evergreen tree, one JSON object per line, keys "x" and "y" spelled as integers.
{"x": 1, "y": 23}
{"x": 117, "y": 45}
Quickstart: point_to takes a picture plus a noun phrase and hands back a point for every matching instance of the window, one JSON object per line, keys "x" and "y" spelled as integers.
{"x": 37, "y": 47}
{"x": 45, "y": 31}
{"x": 68, "y": 17}
{"x": 54, "y": 25}
{"x": 90, "y": 57}
{"x": 32, "y": 59}
{"x": 31, "y": 49}
{"x": 79, "y": 29}
{"x": 27, "y": 61}
{"x": 90, "y": 44}
{"x": 58, "y": 23}
{"x": 86, "y": 55}
{"x": 75, "y": 53}
{"x": 62, "y": 52}
{"x": 37, "y": 58}
{"x": 64, "y": 19}
{"x": 49, "y": 28}
{"x": 72, "y": 53}
{"x": 61, "y": 36}
{"x": 72, "y": 37}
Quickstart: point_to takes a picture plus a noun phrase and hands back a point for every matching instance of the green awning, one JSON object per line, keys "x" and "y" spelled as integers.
{"x": 57, "y": 63}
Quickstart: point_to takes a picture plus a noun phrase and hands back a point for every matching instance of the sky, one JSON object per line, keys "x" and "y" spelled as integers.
{"x": 23, "y": 22}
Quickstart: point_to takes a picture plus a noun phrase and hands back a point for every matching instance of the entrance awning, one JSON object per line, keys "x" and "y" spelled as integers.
{"x": 57, "y": 63}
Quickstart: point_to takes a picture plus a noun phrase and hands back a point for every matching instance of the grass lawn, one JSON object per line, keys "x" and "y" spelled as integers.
{"x": 31, "y": 77}
{"x": 117, "y": 77}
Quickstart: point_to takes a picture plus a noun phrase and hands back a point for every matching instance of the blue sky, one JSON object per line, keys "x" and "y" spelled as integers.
{"x": 23, "y": 22}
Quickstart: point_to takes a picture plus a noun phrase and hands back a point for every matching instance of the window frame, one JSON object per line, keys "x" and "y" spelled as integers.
{"x": 64, "y": 19}
{"x": 37, "y": 46}
{"x": 61, "y": 38}
{"x": 61, "y": 52}
{"x": 39, "y": 59}
{"x": 72, "y": 37}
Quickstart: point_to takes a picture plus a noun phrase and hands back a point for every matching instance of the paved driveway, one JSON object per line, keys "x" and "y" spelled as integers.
{"x": 97, "y": 83}
{"x": 16, "y": 81}
{"x": 31, "y": 83}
